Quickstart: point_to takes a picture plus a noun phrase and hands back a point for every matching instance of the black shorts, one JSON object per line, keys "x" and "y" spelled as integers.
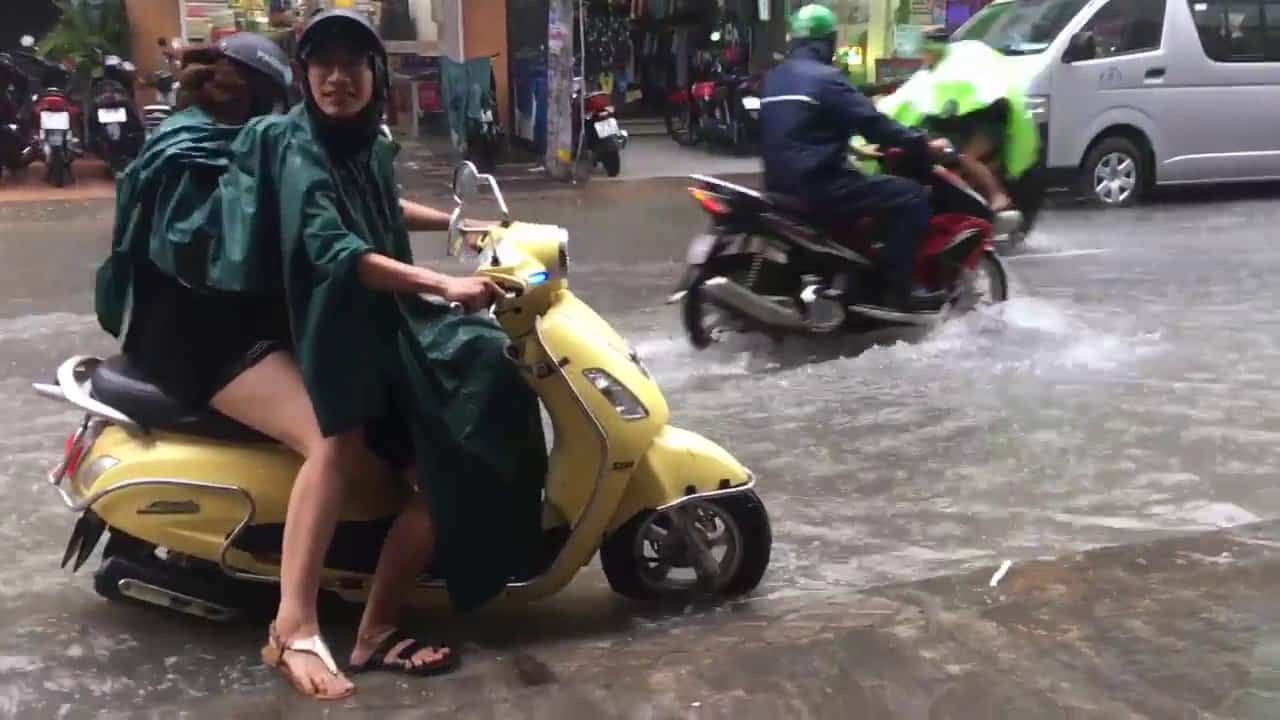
{"x": 192, "y": 343}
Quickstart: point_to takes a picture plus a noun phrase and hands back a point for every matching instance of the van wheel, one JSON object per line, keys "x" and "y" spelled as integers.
{"x": 1114, "y": 173}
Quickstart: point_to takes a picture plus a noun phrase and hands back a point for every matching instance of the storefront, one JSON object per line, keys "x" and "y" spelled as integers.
{"x": 880, "y": 40}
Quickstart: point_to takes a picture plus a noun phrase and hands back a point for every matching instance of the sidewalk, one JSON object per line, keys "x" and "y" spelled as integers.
{"x": 92, "y": 182}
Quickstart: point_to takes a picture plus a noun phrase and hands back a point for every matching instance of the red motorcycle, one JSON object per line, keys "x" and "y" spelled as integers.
{"x": 768, "y": 265}
{"x": 723, "y": 110}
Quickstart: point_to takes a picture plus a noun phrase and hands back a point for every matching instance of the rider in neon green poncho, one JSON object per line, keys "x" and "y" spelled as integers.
{"x": 969, "y": 94}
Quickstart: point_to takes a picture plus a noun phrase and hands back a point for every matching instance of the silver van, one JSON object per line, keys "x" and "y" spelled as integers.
{"x": 1135, "y": 93}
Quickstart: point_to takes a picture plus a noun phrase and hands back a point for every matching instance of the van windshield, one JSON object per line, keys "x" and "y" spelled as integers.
{"x": 1020, "y": 27}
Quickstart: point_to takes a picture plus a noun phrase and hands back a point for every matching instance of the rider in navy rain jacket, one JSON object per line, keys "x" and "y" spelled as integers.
{"x": 809, "y": 112}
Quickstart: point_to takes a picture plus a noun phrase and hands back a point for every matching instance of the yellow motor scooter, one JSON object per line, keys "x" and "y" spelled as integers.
{"x": 193, "y": 505}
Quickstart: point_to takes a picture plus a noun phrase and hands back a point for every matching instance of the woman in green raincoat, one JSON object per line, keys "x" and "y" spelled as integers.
{"x": 966, "y": 92}
{"x": 311, "y": 214}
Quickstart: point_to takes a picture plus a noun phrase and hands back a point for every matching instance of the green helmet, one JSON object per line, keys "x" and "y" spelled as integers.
{"x": 813, "y": 21}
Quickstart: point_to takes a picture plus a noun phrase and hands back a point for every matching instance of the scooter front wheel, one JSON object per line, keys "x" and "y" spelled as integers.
{"x": 717, "y": 546}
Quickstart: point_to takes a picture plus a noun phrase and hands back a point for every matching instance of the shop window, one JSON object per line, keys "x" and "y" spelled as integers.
{"x": 1122, "y": 27}
{"x": 1236, "y": 31}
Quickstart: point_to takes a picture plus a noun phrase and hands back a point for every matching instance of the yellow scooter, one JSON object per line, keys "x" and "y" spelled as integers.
{"x": 194, "y": 504}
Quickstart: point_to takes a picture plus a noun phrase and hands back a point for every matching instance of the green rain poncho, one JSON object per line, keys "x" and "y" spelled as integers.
{"x": 166, "y": 210}
{"x": 295, "y": 220}
{"x": 970, "y": 77}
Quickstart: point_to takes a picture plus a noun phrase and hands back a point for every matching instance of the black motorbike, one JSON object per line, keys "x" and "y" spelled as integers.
{"x": 115, "y": 132}
{"x": 16, "y": 151}
{"x": 603, "y": 139}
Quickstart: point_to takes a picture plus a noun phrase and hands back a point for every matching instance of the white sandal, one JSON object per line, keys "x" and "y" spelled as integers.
{"x": 273, "y": 655}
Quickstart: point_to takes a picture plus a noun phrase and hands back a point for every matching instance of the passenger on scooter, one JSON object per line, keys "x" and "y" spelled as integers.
{"x": 809, "y": 112}
{"x": 312, "y": 216}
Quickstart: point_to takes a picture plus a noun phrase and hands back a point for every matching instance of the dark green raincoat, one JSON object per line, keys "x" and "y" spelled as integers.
{"x": 166, "y": 210}
{"x": 295, "y": 219}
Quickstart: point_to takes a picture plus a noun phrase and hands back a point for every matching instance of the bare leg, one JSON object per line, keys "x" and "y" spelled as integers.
{"x": 407, "y": 550}
{"x": 981, "y": 176}
{"x": 271, "y": 398}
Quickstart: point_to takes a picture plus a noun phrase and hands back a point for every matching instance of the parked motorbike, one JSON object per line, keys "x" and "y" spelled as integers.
{"x": 604, "y": 139}
{"x": 115, "y": 131}
{"x": 723, "y": 111}
{"x": 16, "y": 151}
{"x": 166, "y": 87}
{"x": 484, "y": 133}
{"x": 193, "y": 503}
{"x": 57, "y": 116}
{"x": 768, "y": 266}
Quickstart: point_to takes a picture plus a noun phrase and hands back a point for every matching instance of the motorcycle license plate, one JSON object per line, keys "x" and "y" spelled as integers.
{"x": 51, "y": 120}
{"x": 112, "y": 115}
{"x": 607, "y": 127}
{"x": 751, "y": 103}
{"x": 700, "y": 249}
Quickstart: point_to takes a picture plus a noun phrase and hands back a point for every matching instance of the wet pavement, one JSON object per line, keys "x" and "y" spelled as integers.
{"x": 1125, "y": 395}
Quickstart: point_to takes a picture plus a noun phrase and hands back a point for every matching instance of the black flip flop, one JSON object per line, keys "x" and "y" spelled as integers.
{"x": 378, "y": 658}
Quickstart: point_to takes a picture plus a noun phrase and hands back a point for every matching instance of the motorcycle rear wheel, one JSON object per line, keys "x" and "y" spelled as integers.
{"x": 680, "y": 122}
{"x": 648, "y": 559}
{"x": 611, "y": 159}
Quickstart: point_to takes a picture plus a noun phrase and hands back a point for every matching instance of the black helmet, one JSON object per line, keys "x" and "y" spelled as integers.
{"x": 346, "y": 25}
{"x": 260, "y": 54}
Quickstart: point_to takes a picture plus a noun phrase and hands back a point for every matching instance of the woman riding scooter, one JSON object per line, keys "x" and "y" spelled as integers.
{"x": 196, "y": 342}
{"x": 311, "y": 215}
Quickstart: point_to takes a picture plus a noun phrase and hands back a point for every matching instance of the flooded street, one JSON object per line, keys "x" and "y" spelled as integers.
{"x": 1127, "y": 392}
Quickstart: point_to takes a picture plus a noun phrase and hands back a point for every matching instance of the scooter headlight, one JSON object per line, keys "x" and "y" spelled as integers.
{"x": 622, "y": 399}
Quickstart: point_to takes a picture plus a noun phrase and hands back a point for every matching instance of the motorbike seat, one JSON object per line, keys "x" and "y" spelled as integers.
{"x": 790, "y": 204}
{"x": 119, "y": 383}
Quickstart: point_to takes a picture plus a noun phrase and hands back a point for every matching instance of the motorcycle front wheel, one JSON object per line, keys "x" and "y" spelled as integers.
{"x": 715, "y": 546}
{"x": 985, "y": 284}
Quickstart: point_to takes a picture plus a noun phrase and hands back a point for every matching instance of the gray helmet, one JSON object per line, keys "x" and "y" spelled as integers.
{"x": 348, "y": 25}
{"x": 260, "y": 54}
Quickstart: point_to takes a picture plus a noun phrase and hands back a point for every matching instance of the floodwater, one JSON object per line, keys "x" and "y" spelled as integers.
{"x": 1127, "y": 391}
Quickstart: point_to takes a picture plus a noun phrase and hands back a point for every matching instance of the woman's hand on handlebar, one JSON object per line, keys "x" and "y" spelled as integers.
{"x": 472, "y": 293}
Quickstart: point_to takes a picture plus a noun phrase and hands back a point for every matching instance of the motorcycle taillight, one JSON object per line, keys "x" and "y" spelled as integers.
{"x": 51, "y": 103}
{"x": 710, "y": 202}
{"x": 73, "y": 453}
{"x": 597, "y": 102}
{"x": 704, "y": 90}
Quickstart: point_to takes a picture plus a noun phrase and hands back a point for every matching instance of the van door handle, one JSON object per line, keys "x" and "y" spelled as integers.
{"x": 1155, "y": 74}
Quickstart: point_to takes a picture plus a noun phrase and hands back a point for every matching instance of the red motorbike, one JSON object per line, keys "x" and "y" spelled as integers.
{"x": 768, "y": 265}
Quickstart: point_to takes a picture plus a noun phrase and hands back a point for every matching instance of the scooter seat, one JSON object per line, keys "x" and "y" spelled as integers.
{"x": 120, "y": 384}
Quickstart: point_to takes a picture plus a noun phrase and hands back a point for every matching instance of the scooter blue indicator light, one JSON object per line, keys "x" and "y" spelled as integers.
{"x": 538, "y": 278}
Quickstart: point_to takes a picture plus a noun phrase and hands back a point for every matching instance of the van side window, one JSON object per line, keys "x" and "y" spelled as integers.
{"x": 1237, "y": 30}
{"x": 1127, "y": 26}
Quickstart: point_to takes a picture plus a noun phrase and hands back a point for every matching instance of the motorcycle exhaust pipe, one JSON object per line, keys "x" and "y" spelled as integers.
{"x": 731, "y": 296}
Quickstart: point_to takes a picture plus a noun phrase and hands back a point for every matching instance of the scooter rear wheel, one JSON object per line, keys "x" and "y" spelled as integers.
{"x": 651, "y": 558}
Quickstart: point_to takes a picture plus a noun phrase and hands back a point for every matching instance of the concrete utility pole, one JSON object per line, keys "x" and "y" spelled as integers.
{"x": 559, "y": 160}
